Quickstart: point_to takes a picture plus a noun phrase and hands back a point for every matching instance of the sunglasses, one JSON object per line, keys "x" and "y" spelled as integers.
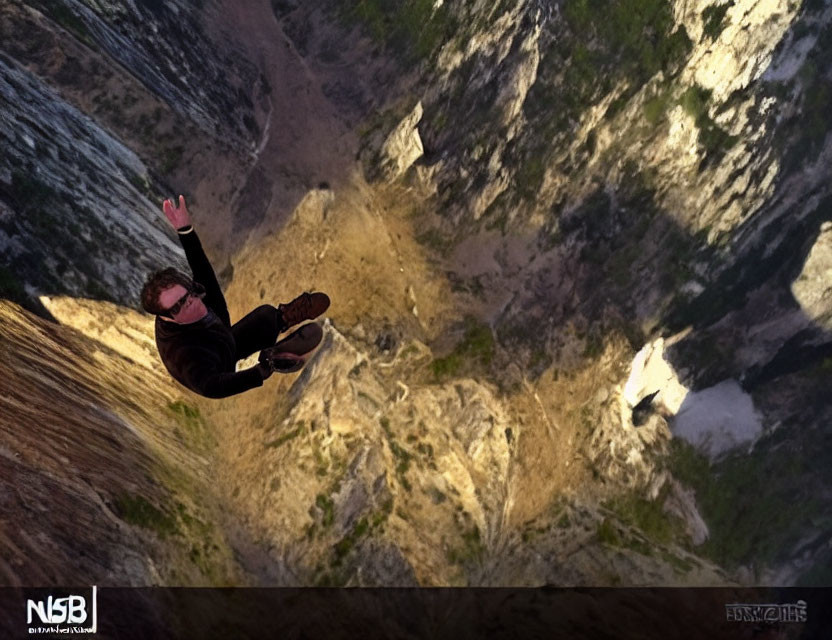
{"x": 196, "y": 290}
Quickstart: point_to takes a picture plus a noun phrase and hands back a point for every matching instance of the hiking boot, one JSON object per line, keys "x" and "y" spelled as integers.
{"x": 299, "y": 342}
{"x": 286, "y": 362}
{"x": 305, "y": 307}
{"x": 287, "y": 355}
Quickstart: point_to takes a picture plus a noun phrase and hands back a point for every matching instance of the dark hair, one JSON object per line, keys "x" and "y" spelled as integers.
{"x": 158, "y": 282}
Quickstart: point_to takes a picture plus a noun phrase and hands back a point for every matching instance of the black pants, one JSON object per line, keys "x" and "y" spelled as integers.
{"x": 257, "y": 331}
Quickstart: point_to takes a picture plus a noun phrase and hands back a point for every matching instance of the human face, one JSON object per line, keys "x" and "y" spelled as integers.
{"x": 190, "y": 305}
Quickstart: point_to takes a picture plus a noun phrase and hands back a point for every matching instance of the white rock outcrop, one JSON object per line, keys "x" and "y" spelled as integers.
{"x": 403, "y": 146}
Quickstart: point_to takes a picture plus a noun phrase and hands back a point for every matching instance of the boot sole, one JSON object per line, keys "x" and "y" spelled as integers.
{"x": 299, "y": 342}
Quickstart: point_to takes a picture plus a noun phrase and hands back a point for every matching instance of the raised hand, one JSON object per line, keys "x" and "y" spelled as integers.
{"x": 177, "y": 216}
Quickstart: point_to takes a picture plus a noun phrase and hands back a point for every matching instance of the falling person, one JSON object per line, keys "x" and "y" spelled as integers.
{"x": 196, "y": 340}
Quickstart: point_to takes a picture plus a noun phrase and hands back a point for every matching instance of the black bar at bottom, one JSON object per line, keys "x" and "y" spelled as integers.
{"x": 453, "y": 614}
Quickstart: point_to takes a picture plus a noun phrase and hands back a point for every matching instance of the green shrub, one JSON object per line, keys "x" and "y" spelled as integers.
{"x": 713, "y": 18}
{"x": 648, "y": 516}
{"x": 327, "y": 506}
{"x": 607, "y": 534}
{"x": 138, "y": 511}
{"x": 656, "y": 107}
{"x": 714, "y": 139}
{"x": 472, "y": 549}
{"x": 477, "y": 346}
{"x": 695, "y": 101}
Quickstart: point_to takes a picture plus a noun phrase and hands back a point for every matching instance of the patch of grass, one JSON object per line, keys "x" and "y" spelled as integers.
{"x": 714, "y": 139}
{"x": 322, "y": 467}
{"x": 447, "y": 366}
{"x": 679, "y": 564}
{"x": 380, "y": 517}
{"x": 327, "y": 507}
{"x": 193, "y": 424}
{"x": 607, "y": 534}
{"x": 136, "y": 510}
{"x": 656, "y": 107}
{"x": 648, "y": 516}
{"x": 639, "y": 546}
{"x": 472, "y": 549}
{"x": 401, "y": 456}
{"x": 594, "y": 346}
{"x": 414, "y": 29}
{"x": 346, "y": 544}
{"x": 189, "y": 414}
{"x": 529, "y": 176}
{"x": 695, "y": 101}
{"x": 477, "y": 346}
{"x": 139, "y": 182}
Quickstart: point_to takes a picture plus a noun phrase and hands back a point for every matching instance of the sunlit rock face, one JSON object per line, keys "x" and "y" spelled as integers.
{"x": 811, "y": 289}
{"x": 529, "y": 216}
{"x": 96, "y": 482}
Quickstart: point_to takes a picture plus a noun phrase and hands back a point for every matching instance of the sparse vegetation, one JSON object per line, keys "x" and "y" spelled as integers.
{"x": 635, "y": 38}
{"x": 327, "y": 507}
{"x": 713, "y": 139}
{"x": 414, "y": 29}
{"x": 751, "y": 519}
{"x": 655, "y": 108}
{"x": 529, "y": 176}
{"x": 477, "y": 346}
{"x": 649, "y": 517}
{"x": 401, "y": 455}
{"x": 286, "y": 437}
{"x": 345, "y": 545}
{"x": 472, "y": 549}
{"x": 136, "y": 510}
{"x": 193, "y": 427}
{"x": 713, "y": 19}
{"x": 607, "y": 534}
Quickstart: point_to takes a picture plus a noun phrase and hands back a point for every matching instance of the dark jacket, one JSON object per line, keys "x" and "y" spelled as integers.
{"x": 203, "y": 355}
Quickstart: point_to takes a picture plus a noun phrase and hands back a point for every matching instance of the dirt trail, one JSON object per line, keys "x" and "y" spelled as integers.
{"x": 304, "y": 141}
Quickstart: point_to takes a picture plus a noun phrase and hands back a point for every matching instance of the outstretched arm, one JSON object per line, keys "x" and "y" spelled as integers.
{"x": 178, "y": 217}
{"x": 203, "y": 273}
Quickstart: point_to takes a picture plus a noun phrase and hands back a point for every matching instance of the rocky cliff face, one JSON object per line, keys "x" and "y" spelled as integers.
{"x": 529, "y": 215}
